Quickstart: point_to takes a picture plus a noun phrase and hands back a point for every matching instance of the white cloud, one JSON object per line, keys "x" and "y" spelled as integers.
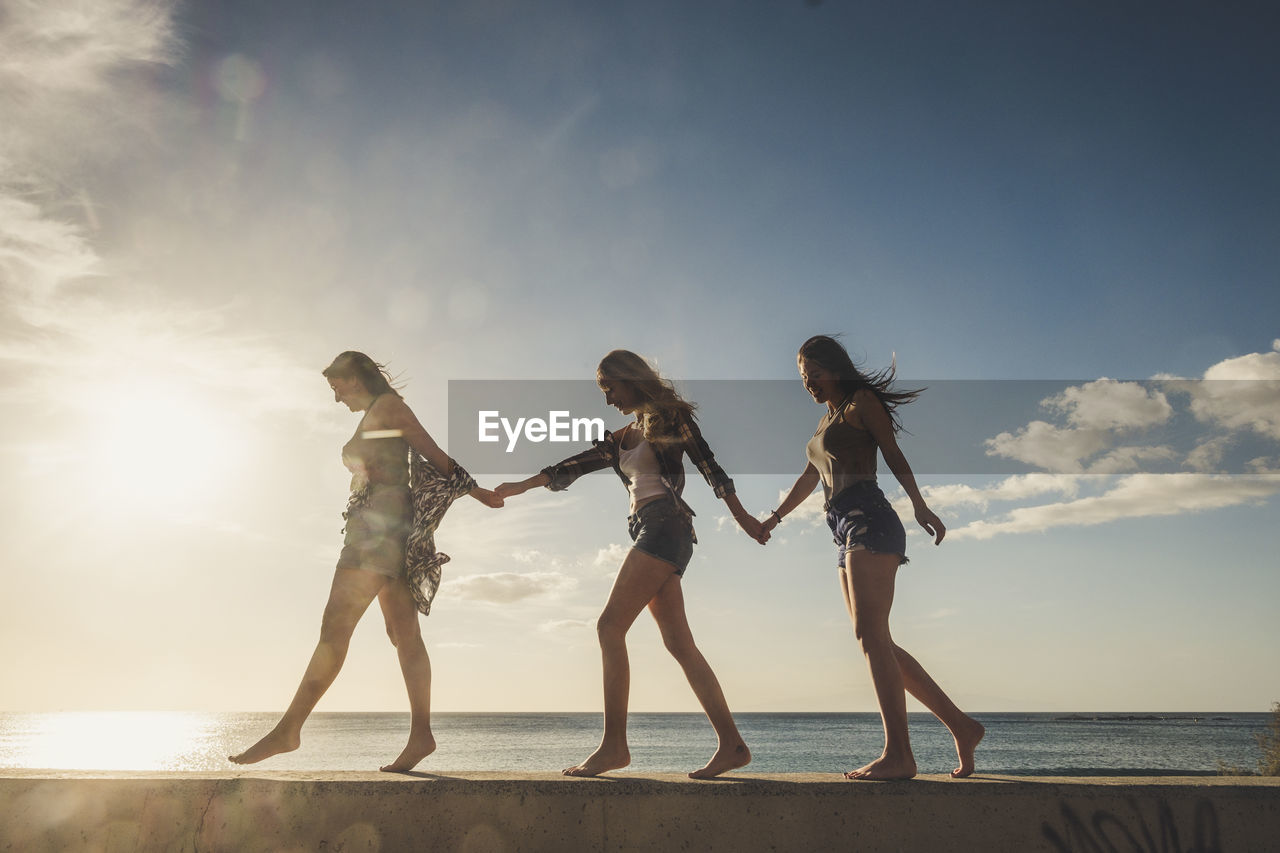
{"x": 1015, "y": 488}
{"x": 508, "y": 587}
{"x": 1206, "y": 455}
{"x": 559, "y": 626}
{"x": 611, "y": 557}
{"x": 1124, "y": 460}
{"x": 1106, "y": 404}
{"x": 809, "y": 513}
{"x": 75, "y": 46}
{"x": 1052, "y": 448}
{"x": 1132, "y": 496}
{"x": 1239, "y": 393}
{"x": 37, "y": 254}
{"x": 77, "y": 100}
{"x": 65, "y": 79}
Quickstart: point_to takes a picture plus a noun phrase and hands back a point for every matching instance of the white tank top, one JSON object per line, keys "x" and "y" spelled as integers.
{"x": 640, "y": 464}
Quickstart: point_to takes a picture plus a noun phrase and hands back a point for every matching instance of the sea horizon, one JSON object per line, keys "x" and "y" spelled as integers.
{"x": 1049, "y": 743}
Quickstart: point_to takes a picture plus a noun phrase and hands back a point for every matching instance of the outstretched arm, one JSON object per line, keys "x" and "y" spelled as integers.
{"x": 749, "y": 523}
{"x": 561, "y": 475}
{"x": 803, "y": 487}
{"x": 876, "y": 421}
{"x": 509, "y": 490}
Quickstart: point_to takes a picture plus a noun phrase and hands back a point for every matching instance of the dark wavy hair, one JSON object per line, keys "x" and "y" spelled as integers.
{"x": 828, "y": 353}
{"x": 372, "y": 375}
{"x": 661, "y": 406}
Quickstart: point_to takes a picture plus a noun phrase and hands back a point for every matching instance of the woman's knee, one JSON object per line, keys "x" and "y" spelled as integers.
{"x": 400, "y": 631}
{"x": 610, "y": 630}
{"x": 680, "y": 644}
{"x": 872, "y": 639}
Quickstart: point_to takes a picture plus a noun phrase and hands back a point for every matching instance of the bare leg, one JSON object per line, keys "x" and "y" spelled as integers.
{"x": 668, "y": 611}
{"x": 349, "y": 597}
{"x": 872, "y": 576}
{"x": 406, "y": 635}
{"x": 638, "y": 581}
{"x": 965, "y": 730}
{"x": 868, "y": 581}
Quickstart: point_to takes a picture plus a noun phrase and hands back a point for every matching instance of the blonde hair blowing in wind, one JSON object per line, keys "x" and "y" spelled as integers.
{"x": 661, "y": 405}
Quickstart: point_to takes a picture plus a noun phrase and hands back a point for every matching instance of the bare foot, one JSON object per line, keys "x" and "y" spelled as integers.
{"x": 885, "y": 768}
{"x": 418, "y": 748}
{"x": 967, "y": 741}
{"x": 600, "y": 761}
{"x": 724, "y": 760}
{"x": 274, "y": 743}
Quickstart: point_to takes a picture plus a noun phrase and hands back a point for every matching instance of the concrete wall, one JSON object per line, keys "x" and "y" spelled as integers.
{"x": 542, "y": 812}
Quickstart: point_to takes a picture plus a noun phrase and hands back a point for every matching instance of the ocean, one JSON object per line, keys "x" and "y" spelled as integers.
{"x": 1065, "y": 744}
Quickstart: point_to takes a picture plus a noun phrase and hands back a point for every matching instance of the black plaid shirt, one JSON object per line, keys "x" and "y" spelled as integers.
{"x": 604, "y": 454}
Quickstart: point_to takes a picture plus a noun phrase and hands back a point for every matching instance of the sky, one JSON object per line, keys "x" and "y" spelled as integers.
{"x": 1060, "y": 217}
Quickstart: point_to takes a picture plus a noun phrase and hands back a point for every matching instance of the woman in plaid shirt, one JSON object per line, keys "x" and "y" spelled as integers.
{"x": 646, "y": 455}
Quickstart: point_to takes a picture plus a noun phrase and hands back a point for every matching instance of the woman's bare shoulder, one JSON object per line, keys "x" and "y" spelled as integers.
{"x": 390, "y": 410}
{"x": 863, "y": 402}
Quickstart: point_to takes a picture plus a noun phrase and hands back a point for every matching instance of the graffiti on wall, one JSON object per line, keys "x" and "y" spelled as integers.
{"x": 1104, "y": 831}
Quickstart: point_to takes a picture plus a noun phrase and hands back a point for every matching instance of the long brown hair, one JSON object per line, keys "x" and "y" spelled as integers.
{"x": 661, "y": 406}
{"x": 372, "y": 375}
{"x": 826, "y": 352}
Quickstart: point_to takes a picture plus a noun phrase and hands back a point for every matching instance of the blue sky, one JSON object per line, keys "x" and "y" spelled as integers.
{"x": 202, "y": 203}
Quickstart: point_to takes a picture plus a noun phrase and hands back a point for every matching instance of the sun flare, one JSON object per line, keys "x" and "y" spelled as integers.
{"x": 156, "y": 446}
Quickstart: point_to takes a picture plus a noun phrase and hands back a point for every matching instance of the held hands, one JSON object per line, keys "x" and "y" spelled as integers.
{"x": 510, "y": 490}
{"x": 488, "y": 497}
{"x": 766, "y": 526}
{"x": 753, "y": 527}
{"x": 931, "y": 523}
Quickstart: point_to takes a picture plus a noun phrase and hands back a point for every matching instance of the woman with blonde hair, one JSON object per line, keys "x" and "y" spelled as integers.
{"x": 401, "y": 484}
{"x": 646, "y": 454}
{"x": 861, "y": 420}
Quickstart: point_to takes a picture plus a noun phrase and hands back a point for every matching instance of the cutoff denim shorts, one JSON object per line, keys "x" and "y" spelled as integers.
{"x": 861, "y": 519}
{"x": 662, "y": 529}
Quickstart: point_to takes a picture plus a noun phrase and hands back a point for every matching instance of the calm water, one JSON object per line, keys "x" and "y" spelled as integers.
{"x": 1053, "y": 744}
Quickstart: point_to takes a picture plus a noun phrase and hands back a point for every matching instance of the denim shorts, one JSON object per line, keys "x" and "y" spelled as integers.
{"x": 861, "y": 519}
{"x": 662, "y": 529}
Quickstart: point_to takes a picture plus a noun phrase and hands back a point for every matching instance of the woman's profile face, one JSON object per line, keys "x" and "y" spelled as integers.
{"x": 619, "y": 393}
{"x": 822, "y": 385}
{"x": 346, "y": 390}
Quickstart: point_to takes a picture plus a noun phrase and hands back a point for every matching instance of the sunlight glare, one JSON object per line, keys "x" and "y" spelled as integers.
{"x": 114, "y": 740}
{"x": 156, "y": 446}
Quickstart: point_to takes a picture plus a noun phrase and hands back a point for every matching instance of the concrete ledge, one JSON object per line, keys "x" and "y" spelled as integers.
{"x": 56, "y": 811}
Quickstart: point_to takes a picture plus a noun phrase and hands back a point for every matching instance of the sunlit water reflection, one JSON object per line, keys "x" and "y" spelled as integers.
{"x": 1025, "y": 744}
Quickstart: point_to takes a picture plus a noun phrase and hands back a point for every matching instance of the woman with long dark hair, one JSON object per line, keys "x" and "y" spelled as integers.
{"x": 861, "y": 419}
{"x": 401, "y": 484}
{"x": 647, "y": 454}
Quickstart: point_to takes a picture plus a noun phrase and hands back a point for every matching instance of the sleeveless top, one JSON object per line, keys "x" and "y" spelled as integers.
{"x": 843, "y": 454}
{"x": 376, "y": 461}
{"x": 640, "y": 464}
